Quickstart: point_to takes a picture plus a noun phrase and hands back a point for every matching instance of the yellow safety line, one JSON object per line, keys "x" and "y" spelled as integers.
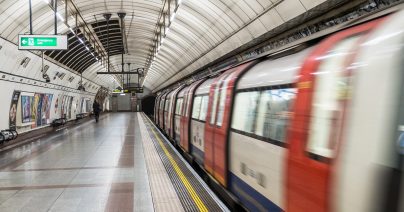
{"x": 181, "y": 175}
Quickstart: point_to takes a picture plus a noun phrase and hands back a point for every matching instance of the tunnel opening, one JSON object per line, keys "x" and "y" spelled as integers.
{"x": 148, "y": 105}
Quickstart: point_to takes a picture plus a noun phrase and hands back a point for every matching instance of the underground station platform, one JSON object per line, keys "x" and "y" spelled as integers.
{"x": 122, "y": 163}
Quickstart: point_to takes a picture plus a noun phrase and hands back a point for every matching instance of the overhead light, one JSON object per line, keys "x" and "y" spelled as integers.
{"x": 71, "y": 30}
{"x": 60, "y": 16}
{"x": 172, "y": 17}
{"x": 179, "y": 2}
{"x": 87, "y": 48}
{"x": 81, "y": 40}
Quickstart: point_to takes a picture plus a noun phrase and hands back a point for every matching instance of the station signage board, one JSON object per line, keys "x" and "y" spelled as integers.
{"x": 139, "y": 90}
{"x": 130, "y": 90}
{"x": 42, "y": 42}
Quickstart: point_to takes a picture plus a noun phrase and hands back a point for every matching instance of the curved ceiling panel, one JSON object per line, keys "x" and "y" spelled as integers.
{"x": 171, "y": 39}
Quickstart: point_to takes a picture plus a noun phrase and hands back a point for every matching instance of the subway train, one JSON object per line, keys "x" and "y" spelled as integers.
{"x": 320, "y": 129}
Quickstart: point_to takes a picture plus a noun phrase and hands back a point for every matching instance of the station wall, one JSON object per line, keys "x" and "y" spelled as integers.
{"x": 20, "y": 73}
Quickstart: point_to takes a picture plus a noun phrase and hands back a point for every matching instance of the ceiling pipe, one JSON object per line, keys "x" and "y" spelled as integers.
{"x": 122, "y": 16}
{"x": 123, "y": 32}
{"x": 107, "y": 16}
{"x": 30, "y": 17}
{"x": 55, "y": 6}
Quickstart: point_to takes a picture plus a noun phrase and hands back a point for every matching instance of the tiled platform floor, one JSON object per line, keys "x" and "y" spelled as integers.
{"x": 91, "y": 167}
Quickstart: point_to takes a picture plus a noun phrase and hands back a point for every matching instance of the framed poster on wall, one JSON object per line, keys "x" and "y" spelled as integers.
{"x": 13, "y": 110}
{"x": 49, "y": 98}
{"x": 26, "y": 108}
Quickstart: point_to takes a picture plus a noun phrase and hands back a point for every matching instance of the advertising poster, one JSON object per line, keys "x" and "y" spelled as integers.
{"x": 82, "y": 106}
{"x": 26, "y": 109}
{"x": 43, "y": 108}
{"x": 62, "y": 106}
{"x": 70, "y": 107}
{"x": 76, "y": 107}
{"x": 88, "y": 105}
{"x": 56, "y": 105}
{"x": 13, "y": 110}
{"x": 48, "y": 109}
{"x": 39, "y": 110}
{"x": 66, "y": 106}
{"x": 34, "y": 109}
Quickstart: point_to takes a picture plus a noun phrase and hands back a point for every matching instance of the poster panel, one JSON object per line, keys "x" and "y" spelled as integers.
{"x": 82, "y": 109}
{"x": 13, "y": 110}
{"x": 34, "y": 109}
{"x": 39, "y": 111}
{"x": 48, "y": 109}
{"x": 44, "y": 98}
{"x": 70, "y": 107}
{"x": 26, "y": 109}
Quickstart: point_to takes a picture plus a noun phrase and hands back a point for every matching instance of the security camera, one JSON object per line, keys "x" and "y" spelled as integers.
{"x": 46, "y": 77}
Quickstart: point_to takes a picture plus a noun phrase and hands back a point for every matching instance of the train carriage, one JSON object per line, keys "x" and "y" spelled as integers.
{"x": 178, "y": 114}
{"x": 156, "y": 107}
{"x": 166, "y": 111}
{"x": 172, "y": 101}
{"x": 218, "y": 122}
{"x": 186, "y": 116}
{"x": 257, "y": 145}
{"x": 368, "y": 173}
{"x": 199, "y": 110}
{"x": 314, "y": 130}
{"x": 161, "y": 109}
{"x": 314, "y": 138}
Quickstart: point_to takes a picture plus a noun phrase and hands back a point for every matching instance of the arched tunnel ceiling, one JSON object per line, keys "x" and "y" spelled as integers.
{"x": 201, "y": 31}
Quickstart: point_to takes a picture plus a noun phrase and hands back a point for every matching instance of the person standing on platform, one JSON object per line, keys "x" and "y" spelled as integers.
{"x": 96, "y": 110}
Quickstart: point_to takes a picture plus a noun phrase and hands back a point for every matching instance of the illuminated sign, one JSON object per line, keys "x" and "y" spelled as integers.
{"x": 42, "y": 42}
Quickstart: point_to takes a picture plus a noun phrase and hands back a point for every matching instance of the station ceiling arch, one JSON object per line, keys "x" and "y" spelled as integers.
{"x": 170, "y": 38}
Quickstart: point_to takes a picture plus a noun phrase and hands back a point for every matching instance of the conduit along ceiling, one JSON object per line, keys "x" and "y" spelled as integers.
{"x": 169, "y": 39}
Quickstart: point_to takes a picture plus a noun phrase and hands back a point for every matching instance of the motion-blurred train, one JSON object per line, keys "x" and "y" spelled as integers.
{"x": 321, "y": 129}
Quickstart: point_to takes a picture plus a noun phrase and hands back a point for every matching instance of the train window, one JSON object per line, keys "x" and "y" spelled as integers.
{"x": 331, "y": 87}
{"x": 167, "y": 104}
{"x": 204, "y": 108}
{"x": 214, "y": 104}
{"x": 196, "y": 107}
{"x": 274, "y": 113}
{"x": 189, "y": 104}
{"x": 184, "y": 111}
{"x": 178, "y": 106}
{"x": 161, "y": 104}
{"x": 245, "y": 111}
{"x": 222, "y": 100}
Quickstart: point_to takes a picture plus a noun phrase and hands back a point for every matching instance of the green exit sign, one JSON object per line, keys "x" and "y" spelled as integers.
{"x": 42, "y": 42}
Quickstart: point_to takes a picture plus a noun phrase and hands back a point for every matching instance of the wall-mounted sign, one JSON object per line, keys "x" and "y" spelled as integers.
{"x": 139, "y": 90}
{"x": 130, "y": 90}
{"x": 42, "y": 42}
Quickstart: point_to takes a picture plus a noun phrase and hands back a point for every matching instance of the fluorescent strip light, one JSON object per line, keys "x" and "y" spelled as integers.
{"x": 60, "y": 17}
{"x": 172, "y": 17}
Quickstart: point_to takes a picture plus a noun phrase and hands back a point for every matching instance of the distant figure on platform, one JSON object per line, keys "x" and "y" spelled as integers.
{"x": 96, "y": 110}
